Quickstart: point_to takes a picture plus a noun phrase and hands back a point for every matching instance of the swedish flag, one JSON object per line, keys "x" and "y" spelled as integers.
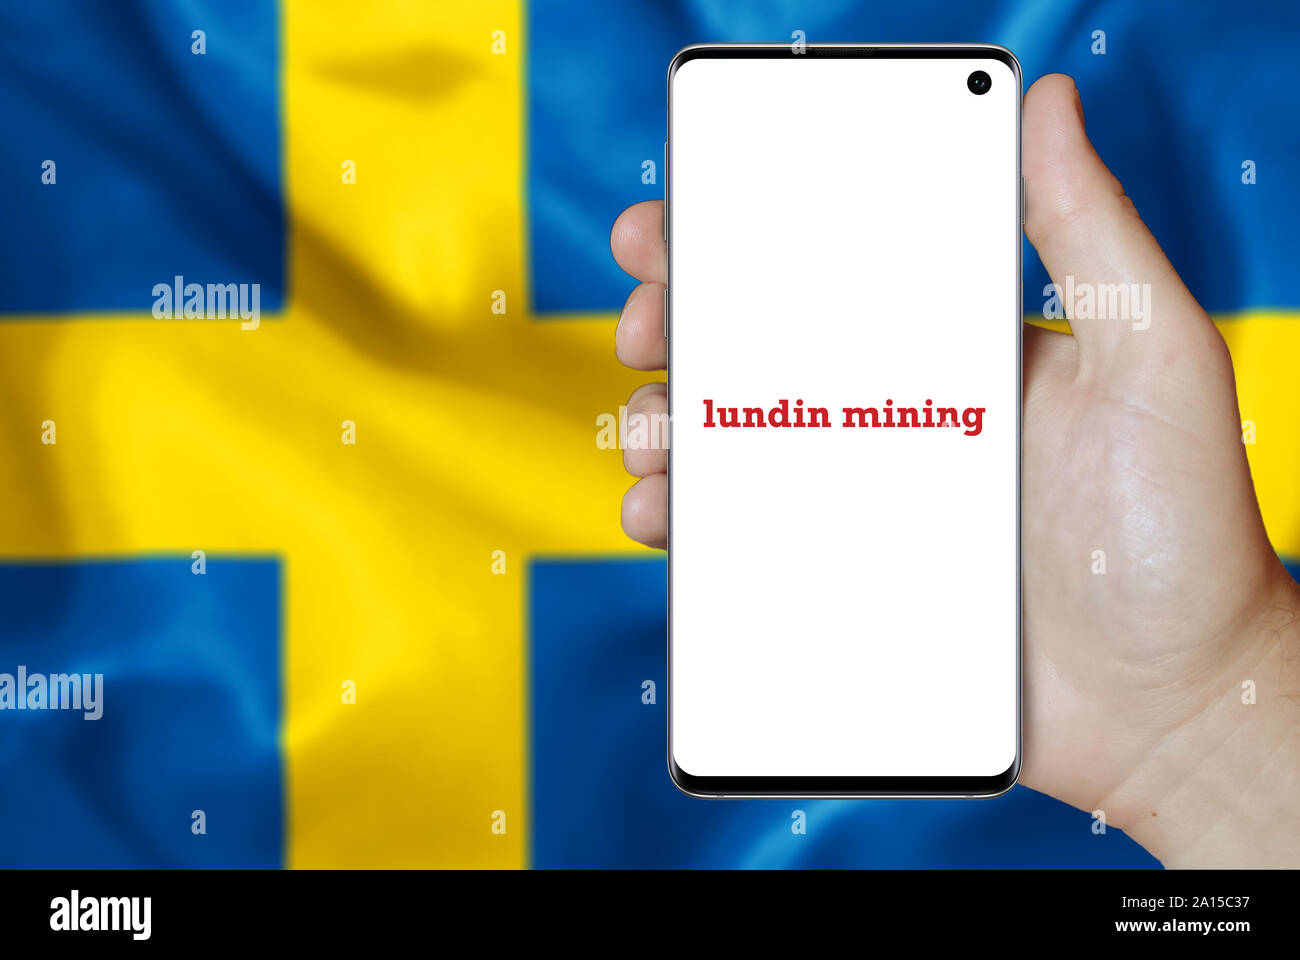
{"x": 350, "y": 569}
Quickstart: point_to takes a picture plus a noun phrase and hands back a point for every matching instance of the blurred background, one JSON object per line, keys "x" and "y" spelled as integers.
{"x": 429, "y": 647}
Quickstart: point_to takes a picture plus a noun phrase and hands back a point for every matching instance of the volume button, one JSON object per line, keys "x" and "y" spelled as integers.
{"x": 665, "y": 313}
{"x": 1022, "y": 201}
{"x": 665, "y": 173}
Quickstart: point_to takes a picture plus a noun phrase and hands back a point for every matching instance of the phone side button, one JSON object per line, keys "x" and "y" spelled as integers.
{"x": 665, "y": 313}
{"x": 664, "y": 171}
{"x": 1022, "y": 201}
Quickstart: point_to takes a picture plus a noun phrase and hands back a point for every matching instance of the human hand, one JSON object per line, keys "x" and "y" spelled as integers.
{"x": 1132, "y": 446}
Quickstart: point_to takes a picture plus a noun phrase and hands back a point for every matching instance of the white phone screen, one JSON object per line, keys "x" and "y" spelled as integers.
{"x": 844, "y": 298}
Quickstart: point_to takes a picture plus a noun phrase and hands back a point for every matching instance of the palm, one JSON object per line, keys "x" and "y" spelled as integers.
{"x": 1148, "y": 468}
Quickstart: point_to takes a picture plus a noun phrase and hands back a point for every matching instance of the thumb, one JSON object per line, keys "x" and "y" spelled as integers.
{"x": 1123, "y": 298}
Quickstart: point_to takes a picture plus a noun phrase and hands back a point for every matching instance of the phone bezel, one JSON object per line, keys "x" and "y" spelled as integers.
{"x": 835, "y": 786}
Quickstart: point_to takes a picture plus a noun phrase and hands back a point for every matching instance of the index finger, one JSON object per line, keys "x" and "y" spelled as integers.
{"x": 637, "y": 241}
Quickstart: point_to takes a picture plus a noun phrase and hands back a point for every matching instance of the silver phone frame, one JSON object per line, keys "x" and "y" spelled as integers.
{"x": 854, "y": 50}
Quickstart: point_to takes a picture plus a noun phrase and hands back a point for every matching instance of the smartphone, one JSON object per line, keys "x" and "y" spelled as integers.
{"x": 844, "y": 329}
